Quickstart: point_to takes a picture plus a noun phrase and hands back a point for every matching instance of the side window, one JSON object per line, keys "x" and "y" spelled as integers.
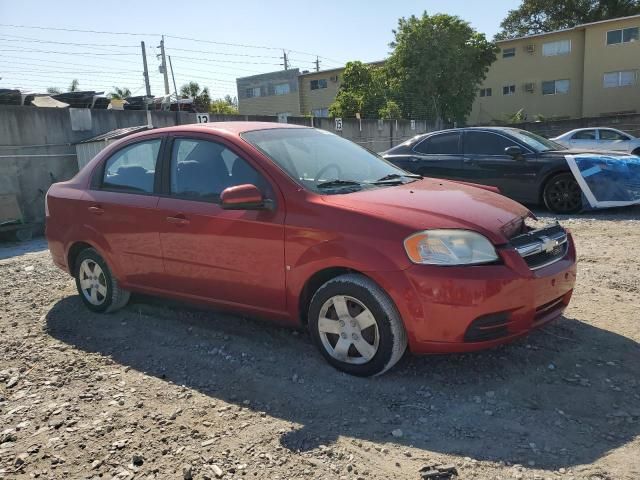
{"x": 612, "y": 135}
{"x": 202, "y": 169}
{"x": 442, "y": 144}
{"x": 584, "y": 135}
{"x": 485, "y": 143}
{"x": 133, "y": 168}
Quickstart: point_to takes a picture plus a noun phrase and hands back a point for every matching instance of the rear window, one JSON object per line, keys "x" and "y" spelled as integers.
{"x": 441, "y": 144}
{"x": 133, "y": 168}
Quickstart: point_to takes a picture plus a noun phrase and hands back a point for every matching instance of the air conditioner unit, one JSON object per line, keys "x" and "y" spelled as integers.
{"x": 530, "y": 87}
{"x": 334, "y": 78}
{"x": 531, "y": 48}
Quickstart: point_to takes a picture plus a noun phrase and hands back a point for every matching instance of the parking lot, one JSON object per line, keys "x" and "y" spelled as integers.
{"x": 160, "y": 390}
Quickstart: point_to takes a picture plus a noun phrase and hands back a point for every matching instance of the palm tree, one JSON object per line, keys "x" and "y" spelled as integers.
{"x": 120, "y": 93}
{"x": 75, "y": 85}
{"x": 201, "y": 98}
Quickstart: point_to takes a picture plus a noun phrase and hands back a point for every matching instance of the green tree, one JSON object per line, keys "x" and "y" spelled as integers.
{"x": 390, "y": 110}
{"x": 201, "y": 97}
{"x": 224, "y": 106}
{"x": 120, "y": 93}
{"x": 437, "y": 64}
{"x": 363, "y": 90}
{"x": 54, "y": 91}
{"x": 539, "y": 16}
{"x": 74, "y": 86}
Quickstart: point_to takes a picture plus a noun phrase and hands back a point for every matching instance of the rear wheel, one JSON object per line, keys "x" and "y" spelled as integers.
{"x": 98, "y": 289}
{"x": 562, "y": 194}
{"x": 356, "y": 326}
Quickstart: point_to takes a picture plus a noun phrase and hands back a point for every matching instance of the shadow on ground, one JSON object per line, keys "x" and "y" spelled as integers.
{"x": 564, "y": 396}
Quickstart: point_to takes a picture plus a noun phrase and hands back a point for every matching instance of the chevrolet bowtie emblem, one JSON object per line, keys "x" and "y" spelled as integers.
{"x": 548, "y": 244}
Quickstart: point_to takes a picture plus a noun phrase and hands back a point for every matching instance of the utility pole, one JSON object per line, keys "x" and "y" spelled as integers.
{"x": 146, "y": 70}
{"x": 286, "y": 60}
{"x": 175, "y": 89}
{"x": 163, "y": 67}
{"x": 317, "y": 62}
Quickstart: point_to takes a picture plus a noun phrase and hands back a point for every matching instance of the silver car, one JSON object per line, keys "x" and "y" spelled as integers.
{"x": 600, "y": 139}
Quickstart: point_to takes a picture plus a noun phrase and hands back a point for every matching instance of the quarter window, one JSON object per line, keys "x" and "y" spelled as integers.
{"x": 554, "y": 87}
{"x": 201, "y": 170}
{"x": 133, "y": 168}
{"x": 508, "y": 52}
{"x": 485, "y": 143}
{"x": 318, "y": 84}
{"x": 509, "y": 90}
{"x": 624, "y": 35}
{"x": 619, "y": 79}
{"x": 561, "y": 47}
{"x": 441, "y": 144}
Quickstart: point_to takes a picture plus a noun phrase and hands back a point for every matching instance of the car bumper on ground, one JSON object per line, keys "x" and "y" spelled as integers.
{"x": 462, "y": 309}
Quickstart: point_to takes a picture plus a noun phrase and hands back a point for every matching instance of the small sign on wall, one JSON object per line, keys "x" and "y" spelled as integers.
{"x": 413, "y": 124}
{"x": 202, "y": 117}
{"x": 338, "y": 124}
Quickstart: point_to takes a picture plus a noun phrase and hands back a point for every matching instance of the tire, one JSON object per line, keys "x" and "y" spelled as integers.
{"x": 104, "y": 294}
{"x": 562, "y": 194}
{"x": 378, "y": 324}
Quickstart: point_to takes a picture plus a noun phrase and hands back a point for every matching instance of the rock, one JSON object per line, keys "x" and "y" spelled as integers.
{"x": 187, "y": 472}
{"x": 217, "y": 471}
{"x": 12, "y": 382}
{"x": 21, "y": 459}
{"x": 397, "y": 433}
{"x": 120, "y": 444}
{"x": 137, "y": 460}
{"x": 8, "y": 435}
{"x": 551, "y": 366}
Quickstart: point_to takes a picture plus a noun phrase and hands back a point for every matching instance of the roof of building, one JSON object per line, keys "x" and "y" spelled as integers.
{"x": 577, "y": 27}
{"x": 338, "y": 69}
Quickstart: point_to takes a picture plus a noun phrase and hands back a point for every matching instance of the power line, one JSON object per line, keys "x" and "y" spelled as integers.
{"x": 93, "y": 54}
{"x": 18, "y": 38}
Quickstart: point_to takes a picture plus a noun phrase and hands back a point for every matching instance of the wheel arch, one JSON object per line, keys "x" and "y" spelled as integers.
{"x": 74, "y": 251}
{"x": 636, "y": 151}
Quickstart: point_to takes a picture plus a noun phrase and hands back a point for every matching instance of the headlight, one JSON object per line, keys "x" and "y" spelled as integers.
{"x": 449, "y": 247}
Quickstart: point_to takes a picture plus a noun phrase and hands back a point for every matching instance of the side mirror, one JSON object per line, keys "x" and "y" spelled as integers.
{"x": 514, "y": 152}
{"x": 244, "y": 197}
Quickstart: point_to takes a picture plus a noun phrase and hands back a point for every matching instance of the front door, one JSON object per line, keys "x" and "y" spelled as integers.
{"x": 487, "y": 163}
{"x": 232, "y": 257}
{"x": 584, "y": 139}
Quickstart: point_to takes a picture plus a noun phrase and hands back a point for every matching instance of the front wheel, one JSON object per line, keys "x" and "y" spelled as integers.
{"x": 99, "y": 290}
{"x": 562, "y": 194}
{"x": 356, "y": 326}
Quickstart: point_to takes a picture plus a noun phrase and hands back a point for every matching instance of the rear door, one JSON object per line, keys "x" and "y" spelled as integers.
{"x": 613, "y": 140}
{"x": 232, "y": 257}
{"x": 584, "y": 139}
{"x": 487, "y": 163}
{"x": 120, "y": 207}
{"x": 438, "y": 155}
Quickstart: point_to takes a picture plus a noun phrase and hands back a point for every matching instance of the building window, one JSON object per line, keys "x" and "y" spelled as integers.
{"x": 555, "y": 87}
{"x": 561, "y": 47}
{"x": 281, "y": 88}
{"x": 318, "y": 84}
{"x": 252, "y": 92}
{"x": 508, "y": 52}
{"x": 623, "y": 35}
{"x": 320, "y": 112}
{"x": 509, "y": 90}
{"x": 485, "y": 92}
{"x": 619, "y": 79}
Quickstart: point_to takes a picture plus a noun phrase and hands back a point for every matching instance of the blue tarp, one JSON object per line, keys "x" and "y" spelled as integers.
{"x": 607, "y": 180}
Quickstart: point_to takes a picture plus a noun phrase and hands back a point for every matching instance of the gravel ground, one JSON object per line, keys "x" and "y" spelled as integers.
{"x": 161, "y": 390}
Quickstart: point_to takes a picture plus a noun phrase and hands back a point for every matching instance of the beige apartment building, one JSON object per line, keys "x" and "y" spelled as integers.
{"x": 586, "y": 71}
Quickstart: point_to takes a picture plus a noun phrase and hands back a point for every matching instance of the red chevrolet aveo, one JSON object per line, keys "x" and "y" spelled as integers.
{"x": 301, "y": 226}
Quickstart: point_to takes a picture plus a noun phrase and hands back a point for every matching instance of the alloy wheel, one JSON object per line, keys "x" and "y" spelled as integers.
{"x": 348, "y": 330}
{"x": 93, "y": 282}
{"x": 564, "y": 195}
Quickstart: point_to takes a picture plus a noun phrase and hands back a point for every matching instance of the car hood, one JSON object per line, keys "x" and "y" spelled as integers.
{"x": 431, "y": 203}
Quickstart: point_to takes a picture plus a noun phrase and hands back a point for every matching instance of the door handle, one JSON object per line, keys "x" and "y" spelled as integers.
{"x": 178, "y": 220}
{"x": 96, "y": 210}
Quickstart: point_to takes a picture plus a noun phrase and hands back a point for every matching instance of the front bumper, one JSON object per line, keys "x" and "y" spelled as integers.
{"x": 462, "y": 309}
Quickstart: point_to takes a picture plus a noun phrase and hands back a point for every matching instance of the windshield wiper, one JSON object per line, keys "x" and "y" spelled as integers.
{"x": 339, "y": 183}
{"x": 396, "y": 177}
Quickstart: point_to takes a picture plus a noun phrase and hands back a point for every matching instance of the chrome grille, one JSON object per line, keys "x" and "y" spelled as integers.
{"x": 542, "y": 247}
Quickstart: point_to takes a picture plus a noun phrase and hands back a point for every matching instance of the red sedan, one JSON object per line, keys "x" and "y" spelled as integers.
{"x": 301, "y": 226}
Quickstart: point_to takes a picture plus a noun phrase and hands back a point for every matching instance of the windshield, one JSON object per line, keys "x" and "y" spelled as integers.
{"x": 326, "y": 163}
{"x": 536, "y": 142}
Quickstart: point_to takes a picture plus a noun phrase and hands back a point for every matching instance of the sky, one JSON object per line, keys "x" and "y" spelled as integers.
{"x": 220, "y": 40}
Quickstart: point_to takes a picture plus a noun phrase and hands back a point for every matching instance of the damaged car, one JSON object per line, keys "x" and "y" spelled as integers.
{"x": 302, "y": 227}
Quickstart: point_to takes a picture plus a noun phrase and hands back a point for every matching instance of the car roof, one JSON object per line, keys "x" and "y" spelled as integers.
{"x": 234, "y": 128}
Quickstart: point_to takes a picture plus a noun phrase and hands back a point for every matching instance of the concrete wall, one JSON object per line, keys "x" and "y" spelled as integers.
{"x": 37, "y": 145}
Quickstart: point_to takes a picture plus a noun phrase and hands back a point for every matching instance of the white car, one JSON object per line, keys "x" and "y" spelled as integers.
{"x": 600, "y": 139}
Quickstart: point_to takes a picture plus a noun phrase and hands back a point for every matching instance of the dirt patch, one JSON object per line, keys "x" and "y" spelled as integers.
{"x": 161, "y": 390}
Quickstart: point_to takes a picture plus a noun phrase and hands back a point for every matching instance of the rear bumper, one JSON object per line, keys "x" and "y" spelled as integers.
{"x": 462, "y": 309}
{"x": 56, "y": 246}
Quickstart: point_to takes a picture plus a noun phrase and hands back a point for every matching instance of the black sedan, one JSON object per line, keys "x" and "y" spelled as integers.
{"x": 523, "y": 165}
